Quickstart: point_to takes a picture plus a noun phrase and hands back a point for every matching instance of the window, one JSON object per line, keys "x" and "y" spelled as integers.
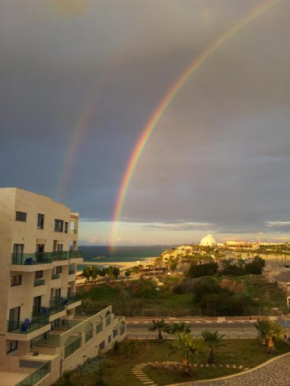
{"x": 65, "y": 227}
{"x": 57, "y": 294}
{"x": 40, "y": 221}
{"x": 109, "y": 339}
{"x": 16, "y": 280}
{"x": 58, "y": 225}
{"x": 18, "y": 249}
{"x": 58, "y": 269}
{"x": 102, "y": 345}
{"x": 38, "y": 275}
{"x": 21, "y": 216}
{"x": 12, "y": 346}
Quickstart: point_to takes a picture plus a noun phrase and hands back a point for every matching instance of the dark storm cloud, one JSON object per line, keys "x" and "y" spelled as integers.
{"x": 219, "y": 155}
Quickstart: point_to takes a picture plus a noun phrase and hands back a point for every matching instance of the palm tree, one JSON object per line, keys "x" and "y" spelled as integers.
{"x": 159, "y": 325}
{"x": 275, "y": 332}
{"x": 189, "y": 347}
{"x": 179, "y": 327}
{"x": 262, "y": 326}
{"x": 212, "y": 340}
{"x": 268, "y": 331}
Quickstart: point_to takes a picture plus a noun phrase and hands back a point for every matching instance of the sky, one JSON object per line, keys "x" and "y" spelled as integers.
{"x": 79, "y": 81}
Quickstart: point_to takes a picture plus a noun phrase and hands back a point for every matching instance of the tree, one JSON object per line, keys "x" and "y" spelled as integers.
{"x": 87, "y": 273}
{"x": 209, "y": 269}
{"x": 275, "y": 331}
{"x": 161, "y": 326}
{"x": 127, "y": 274}
{"x": 211, "y": 340}
{"x": 179, "y": 327}
{"x": 269, "y": 331}
{"x": 262, "y": 327}
{"x": 94, "y": 273}
{"x": 188, "y": 346}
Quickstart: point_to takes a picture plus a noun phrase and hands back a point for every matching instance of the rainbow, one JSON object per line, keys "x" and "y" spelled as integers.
{"x": 168, "y": 99}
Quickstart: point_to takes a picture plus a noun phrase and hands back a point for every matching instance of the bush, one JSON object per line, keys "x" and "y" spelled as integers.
{"x": 186, "y": 286}
{"x": 256, "y": 267}
{"x": 233, "y": 270}
{"x": 116, "y": 347}
{"x": 200, "y": 270}
{"x": 206, "y": 286}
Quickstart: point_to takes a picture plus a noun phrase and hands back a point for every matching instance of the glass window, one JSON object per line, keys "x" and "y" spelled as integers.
{"x": 58, "y": 269}
{"x": 65, "y": 227}
{"x": 40, "y": 221}
{"x": 38, "y": 275}
{"x": 20, "y": 216}
{"x": 16, "y": 280}
{"x": 58, "y": 225}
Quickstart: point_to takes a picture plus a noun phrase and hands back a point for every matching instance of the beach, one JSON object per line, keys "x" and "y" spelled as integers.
{"x": 122, "y": 265}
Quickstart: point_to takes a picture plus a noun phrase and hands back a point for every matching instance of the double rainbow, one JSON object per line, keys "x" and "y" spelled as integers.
{"x": 168, "y": 99}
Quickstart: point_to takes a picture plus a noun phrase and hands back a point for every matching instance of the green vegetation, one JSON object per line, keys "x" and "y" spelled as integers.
{"x": 213, "y": 296}
{"x": 91, "y": 273}
{"x": 116, "y": 367}
{"x": 269, "y": 331}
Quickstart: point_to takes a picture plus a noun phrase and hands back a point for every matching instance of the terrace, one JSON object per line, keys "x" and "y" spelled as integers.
{"x": 38, "y": 258}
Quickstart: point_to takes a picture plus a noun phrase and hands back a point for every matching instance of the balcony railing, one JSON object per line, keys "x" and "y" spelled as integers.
{"x": 89, "y": 335}
{"x": 37, "y": 376}
{"x": 73, "y": 231}
{"x": 55, "y": 276}
{"x": 75, "y": 255}
{"x": 99, "y": 327}
{"x": 27, "y": 326}
{"x": 71, "y": 271}
{"x": 72, "y": 298}
{"x": 43, "y": 257}
{"x": 54, "y": 308}
{"x": 39, "y": 282}
{"x": 71, "y": 348}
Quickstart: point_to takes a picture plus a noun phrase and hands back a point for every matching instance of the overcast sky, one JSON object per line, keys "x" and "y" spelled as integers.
{"x": 219, "y": 160}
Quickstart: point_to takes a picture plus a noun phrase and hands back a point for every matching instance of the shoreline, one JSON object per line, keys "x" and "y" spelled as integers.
{"x": 122, "y": 265}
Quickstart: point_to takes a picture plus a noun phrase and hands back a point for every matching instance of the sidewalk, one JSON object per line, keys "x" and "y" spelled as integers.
{"x": 216, "y": 320}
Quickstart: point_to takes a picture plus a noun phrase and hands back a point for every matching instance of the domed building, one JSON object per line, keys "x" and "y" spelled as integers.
{"x": 207, "y": 241}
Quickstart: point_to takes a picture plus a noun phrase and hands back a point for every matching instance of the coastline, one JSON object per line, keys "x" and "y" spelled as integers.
{"x": 122, "y": 265}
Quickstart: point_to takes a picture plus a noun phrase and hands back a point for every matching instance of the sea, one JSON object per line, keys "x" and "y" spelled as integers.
{"x": 103, "y": 254}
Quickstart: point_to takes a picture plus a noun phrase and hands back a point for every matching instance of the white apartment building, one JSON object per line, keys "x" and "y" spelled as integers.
{"x": 40, "y": 334}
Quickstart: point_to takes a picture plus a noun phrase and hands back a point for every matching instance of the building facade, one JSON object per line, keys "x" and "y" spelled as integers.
{"x": 40, "y": 333}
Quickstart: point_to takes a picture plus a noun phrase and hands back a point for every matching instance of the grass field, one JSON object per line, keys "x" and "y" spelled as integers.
{"x": 118, "y": 366}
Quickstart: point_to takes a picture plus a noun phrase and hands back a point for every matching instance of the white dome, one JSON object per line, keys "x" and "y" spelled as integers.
{"x": 208, "y": 241}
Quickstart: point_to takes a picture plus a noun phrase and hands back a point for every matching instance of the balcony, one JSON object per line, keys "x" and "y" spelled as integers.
{"x": 43, "y": 257}
{"x": 54, "y": 308}
{"x": 55, "y": 276}
{"x": 27, "y": 329}
{"x": 39, "y": 282}
{"x": 37, "y": 376}
{"x": 71, "y": 348}
{"x": 71, "y": 271}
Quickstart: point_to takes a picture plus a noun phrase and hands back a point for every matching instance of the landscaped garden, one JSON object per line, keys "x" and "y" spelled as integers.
{"x": 115, "y": 368}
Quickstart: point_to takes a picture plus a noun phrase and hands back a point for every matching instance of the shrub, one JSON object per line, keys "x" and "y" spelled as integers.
{"x": 233, "y": 270}
{"x": 200, "y": 270}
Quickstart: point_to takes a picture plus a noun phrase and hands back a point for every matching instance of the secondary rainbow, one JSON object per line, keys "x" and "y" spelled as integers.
{"x": 168, "y": 99}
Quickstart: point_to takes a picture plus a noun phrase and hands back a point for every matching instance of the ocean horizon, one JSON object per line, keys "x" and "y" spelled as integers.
{"x": 122, "y": 254}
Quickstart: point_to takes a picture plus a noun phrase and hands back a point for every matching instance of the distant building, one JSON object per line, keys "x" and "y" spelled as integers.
{"x": 240, "y": 244}
{"x": 208, "y": 241}
{"x": 40, "y": 334}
